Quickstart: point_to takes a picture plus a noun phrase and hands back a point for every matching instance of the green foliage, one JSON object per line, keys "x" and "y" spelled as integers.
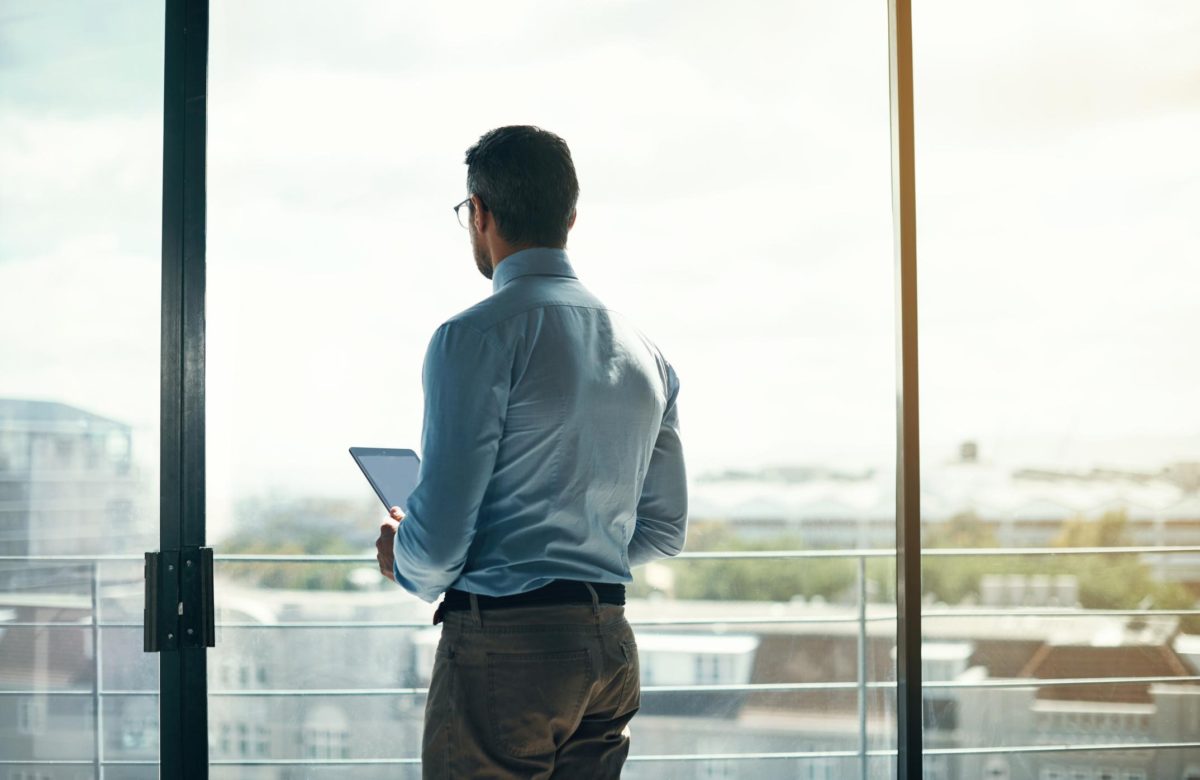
{"x": 308, "y": 526}
{"x": 316, "y": 526}
{"x": 1105, "y": 581}
{"x": 1118, "y": 581}
{"x": 760, "y": 579}
{"x": 954, "y": 579}
{"x": 963, "y": 530}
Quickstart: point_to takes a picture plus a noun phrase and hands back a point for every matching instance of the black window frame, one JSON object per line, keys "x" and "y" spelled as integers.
{"x": 183, "y": 682}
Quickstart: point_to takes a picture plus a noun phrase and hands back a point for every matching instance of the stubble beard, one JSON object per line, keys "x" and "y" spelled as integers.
{"x": 483, "y": 261}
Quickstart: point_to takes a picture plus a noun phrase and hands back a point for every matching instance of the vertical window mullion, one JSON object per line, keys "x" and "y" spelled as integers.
{"x": 908, "y": 479}
{"x": 183, "y": 700}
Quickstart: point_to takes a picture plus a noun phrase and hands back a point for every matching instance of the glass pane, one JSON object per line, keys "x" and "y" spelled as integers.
{"x": 736, "y": 205}
{"x": 80, "y": 140}
{"x": 1058, "y": 187}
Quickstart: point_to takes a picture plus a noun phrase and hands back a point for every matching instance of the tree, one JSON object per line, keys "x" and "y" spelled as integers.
{"x": 1106, "y": 581}
{"x": 953, "y": 579}
{"x": 759, "y": 579}
{"x": 301, "y": 526}
{"x": 1117, "y": 581}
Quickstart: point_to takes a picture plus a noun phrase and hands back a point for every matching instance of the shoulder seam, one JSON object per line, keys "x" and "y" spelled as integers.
{"x": 486, "y": 335}
{"x": 516, "y": 314}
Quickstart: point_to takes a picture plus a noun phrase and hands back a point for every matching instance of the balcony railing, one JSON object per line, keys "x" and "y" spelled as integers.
{"x": 861, "y": 617}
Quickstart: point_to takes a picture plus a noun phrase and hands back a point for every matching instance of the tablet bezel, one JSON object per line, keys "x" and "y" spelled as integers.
{"x": 357, "y": 452}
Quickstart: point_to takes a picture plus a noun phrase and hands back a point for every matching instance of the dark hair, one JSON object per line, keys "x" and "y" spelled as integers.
{"x": 524, "y": 176}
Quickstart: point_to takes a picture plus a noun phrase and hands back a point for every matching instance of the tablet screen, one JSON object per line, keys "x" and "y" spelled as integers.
{"x": 392, "y": 473}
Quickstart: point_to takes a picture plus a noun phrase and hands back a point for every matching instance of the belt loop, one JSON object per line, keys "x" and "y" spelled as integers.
{"x": 475, "y": 609}
{"x": 595, "y": 599}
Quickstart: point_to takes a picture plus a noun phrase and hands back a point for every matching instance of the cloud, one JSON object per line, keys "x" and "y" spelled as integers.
{"x": 736, "y": 204}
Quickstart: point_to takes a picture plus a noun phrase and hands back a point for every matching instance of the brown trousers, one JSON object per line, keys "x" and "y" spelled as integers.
{"x": 531, "y": 692}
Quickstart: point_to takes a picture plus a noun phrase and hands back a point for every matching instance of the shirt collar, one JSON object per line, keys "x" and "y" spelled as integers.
{"x": 538, "y": 261}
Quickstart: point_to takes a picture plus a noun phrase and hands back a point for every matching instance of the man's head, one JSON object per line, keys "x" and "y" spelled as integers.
{"x": 523, "y": 192}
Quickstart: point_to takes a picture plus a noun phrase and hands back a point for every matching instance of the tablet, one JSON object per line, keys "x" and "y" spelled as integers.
{"x": 392, "y": 473}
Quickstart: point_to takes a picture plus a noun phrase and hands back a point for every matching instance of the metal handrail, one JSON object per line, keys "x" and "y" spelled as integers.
{"x": 855, "y": 614}
{"x": 1011, "y": 682}
{"x": 681, "y": 758}
{"x": 1047, "y": 612}
{"x": 931, "y": 552}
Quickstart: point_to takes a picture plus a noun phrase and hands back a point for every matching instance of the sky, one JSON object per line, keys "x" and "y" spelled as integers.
{"x": 736, "y": 205}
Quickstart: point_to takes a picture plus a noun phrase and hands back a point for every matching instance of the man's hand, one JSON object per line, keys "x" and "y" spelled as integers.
{"x": 384, "y": 551}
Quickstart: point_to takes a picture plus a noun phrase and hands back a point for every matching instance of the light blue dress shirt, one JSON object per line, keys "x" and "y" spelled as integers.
{"x": 550, "y": 447}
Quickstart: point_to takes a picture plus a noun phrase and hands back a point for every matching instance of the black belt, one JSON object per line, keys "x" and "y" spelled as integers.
{"x": 557, "y": 592}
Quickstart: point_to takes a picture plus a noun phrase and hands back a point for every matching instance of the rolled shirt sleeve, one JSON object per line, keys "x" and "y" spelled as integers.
{"x": 661, "y": 527}
{"x": 466, "y": 379}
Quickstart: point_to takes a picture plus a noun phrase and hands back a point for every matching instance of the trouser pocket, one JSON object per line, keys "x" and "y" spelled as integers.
{"x": 535, "y": 700}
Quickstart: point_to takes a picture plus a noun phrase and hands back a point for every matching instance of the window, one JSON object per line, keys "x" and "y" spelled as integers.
{"x": 708, "y": 669}
{"x": 1050, "y": 383}
{"x": 326, "y": 732}
{"x": 80, "y": 245}
{"x": 789, "y": 378}
{"x": 323, "y": 743}
{"x": 31, "y": 716}
{"x": 1058, "y": 195}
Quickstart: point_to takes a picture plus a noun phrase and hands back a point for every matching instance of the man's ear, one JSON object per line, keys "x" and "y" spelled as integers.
{"x": 480, "y": 214}
{"x": 571, "y": 221}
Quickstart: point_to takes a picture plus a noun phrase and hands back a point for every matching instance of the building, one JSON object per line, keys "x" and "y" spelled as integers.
{"x": 308, "y": 675}
{"x": 69, "y": 486}
{"x": 1021, "y": 507}
{"x": 68, "y": 483}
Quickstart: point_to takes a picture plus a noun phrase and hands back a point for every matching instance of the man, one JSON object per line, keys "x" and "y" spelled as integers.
{"x": 552, "y": 464}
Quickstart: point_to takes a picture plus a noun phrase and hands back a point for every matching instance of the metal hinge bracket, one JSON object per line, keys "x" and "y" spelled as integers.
{"x": 179, "y": 600}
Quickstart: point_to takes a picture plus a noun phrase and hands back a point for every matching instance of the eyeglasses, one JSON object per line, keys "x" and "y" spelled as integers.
{"x": 463, "y": 212}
